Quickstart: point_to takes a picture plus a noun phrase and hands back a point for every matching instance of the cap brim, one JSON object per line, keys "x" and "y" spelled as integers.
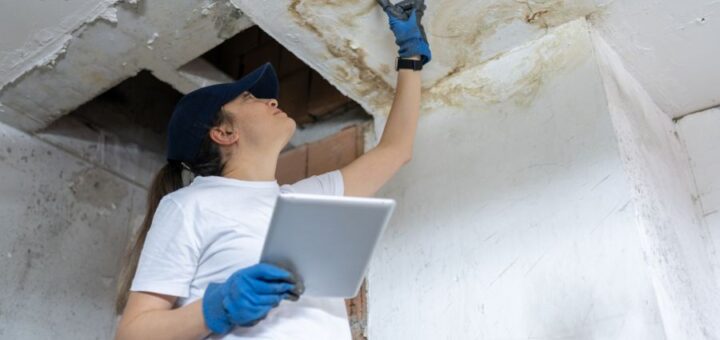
{"x": 262, "y": 83}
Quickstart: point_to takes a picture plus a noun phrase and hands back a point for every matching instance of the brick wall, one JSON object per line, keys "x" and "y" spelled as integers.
{"x": 304, "y": 94}
{"x": 319, "y": 157}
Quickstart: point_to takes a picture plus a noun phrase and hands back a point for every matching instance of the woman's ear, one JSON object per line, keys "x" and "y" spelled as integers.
{"x": 224, "y": 134}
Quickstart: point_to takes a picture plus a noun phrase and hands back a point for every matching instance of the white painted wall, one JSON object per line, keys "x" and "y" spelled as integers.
{"x": 515, "y": 218}
{"x": 65, "y": 223}
{"x": 668, "y": 46}
{"x": 674, "y": 238}
{"x": 700, "y": 133}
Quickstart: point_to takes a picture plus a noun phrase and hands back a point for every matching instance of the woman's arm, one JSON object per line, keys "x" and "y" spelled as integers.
{"x": 367, "y": 174}
{"x": 150, "y": 316}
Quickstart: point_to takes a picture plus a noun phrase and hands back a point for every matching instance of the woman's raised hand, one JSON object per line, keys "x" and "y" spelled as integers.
{"x": 405, "y": 21}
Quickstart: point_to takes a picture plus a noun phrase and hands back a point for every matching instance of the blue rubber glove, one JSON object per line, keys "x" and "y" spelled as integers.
{"x": 247, "y": 296}
{"x": 409, "y": 33}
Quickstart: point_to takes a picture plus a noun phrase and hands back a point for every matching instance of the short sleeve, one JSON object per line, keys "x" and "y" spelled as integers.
{"x": 329, "y": 183}
{"x": 169, "y": 257}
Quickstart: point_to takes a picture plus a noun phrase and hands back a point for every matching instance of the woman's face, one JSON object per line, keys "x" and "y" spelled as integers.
{"x": 260, "y": 122}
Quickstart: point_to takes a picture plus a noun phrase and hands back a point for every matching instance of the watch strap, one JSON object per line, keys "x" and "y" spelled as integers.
{"x": 411, "y": 64}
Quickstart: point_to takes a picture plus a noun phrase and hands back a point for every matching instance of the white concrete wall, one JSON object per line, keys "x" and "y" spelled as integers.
{"x": 700, "y": 133}
{"x": 36, "y": 31}
{"x": 675, "y": 240}
{"x": 515, "y": 217}
{"x": 65, "y": 222}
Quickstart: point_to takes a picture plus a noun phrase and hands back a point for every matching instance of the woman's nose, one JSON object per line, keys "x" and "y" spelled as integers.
{"x": 273, "y": 102}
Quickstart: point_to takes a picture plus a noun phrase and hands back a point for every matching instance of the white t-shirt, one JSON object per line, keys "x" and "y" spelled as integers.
{"x": 209, "y": 229}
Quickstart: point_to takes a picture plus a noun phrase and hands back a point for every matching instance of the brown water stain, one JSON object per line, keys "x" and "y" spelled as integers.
{"x": 459, "y": 28}
{"x": 367, "y": 83}
{"x": 562, "y": 49}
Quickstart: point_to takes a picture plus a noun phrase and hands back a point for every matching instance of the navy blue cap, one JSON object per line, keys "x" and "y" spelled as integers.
{"x": 195, "y": 113}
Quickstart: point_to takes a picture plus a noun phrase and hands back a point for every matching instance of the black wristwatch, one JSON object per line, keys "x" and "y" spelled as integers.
{"x": 412, "y": 64}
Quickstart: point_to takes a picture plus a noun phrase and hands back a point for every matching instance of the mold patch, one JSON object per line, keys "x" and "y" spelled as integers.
{"x": 98, "y": 188}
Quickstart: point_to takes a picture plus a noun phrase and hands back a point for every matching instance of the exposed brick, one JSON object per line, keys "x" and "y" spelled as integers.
{"x": 261, "y": 55}
{"x": 294, "y": 94}
{"x": 289, "y": 63}
{"x": 323, "y": 96}
{"x": 292, "y": 165}
{"x": 229, "y": 56}
{"x": 265, "y": 38}
{"x": 357, "y": 313}
{"x": 333, "y": 152}
{"x": 246, "y": 40}
{"x": 316, "y": 158}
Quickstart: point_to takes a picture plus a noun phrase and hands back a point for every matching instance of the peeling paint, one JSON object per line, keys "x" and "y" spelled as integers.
{"x": 226, "y": 24}
{"x": 366, "y": 81}
{"x": 110, "y": 15}
{"x": 50, "y": 43}
{"x": 207, "y": 8}
{"x": 151, "y": 41}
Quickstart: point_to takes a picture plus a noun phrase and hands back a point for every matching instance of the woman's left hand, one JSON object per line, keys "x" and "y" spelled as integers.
{"x": 405, "y": 22}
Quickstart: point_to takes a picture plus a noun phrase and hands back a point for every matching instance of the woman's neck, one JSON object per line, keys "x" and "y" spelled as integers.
{"x": 249, "y": 166}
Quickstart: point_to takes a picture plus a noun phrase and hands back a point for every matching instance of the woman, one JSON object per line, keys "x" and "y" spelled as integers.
{"x": 197, "y": 274}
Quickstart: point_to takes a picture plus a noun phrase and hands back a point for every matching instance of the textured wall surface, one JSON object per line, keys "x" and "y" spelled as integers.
{"x": 675, "y": 240}
{"x": 107, "y": 48}
{"x": 36, "y": 31}
{"x": 514, "y": 218}
{"x": 700, "y": 133}
{"x": 64, "y": 223}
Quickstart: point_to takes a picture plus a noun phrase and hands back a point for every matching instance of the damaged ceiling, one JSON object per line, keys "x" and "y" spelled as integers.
{"x": 69, "y": 53}
{"x": 70, "y": 61}
{"x": 116, "y": 39}
{"x": 464, "y": 36}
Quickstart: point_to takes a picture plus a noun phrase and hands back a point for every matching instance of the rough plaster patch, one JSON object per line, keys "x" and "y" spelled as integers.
{"x": 98, "y": 188}
{"x": 48, "y": 44}
{"x": 227, "y": 23}
{"x": 110, "y": 15}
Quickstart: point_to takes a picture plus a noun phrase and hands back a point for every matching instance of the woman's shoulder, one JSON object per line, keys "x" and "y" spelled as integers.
{"x": 186, "y": 196}
{"x": 197, "y": 193}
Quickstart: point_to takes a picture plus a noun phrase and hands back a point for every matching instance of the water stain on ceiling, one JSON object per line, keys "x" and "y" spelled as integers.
{"x": 358, "y": 49}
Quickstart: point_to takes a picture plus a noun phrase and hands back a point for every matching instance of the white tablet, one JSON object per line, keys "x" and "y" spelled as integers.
{"x": 326, "y": 240}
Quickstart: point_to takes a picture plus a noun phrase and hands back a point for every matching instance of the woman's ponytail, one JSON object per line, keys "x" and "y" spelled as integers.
{"x": 208, "y": 162}
{"x": 167, "y": 180}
